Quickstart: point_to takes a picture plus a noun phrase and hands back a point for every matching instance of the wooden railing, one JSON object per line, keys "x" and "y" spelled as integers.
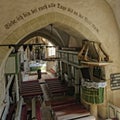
{"x": 6, "y": 100}
{"x": 113, "y": 112}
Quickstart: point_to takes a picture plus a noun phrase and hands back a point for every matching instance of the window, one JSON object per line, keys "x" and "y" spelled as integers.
{"x": 51, "y": 50}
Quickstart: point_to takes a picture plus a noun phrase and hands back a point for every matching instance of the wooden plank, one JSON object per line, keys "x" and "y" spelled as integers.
{"x": 62, "y": 101}
{"x": 31, "y": 94}
{"x": 31, "y": 88}
{"x": 96, "y": 63}
{"x": 24, "y": 112}
{"x": 70, "y": 111}
{"x": 38, "y": 110}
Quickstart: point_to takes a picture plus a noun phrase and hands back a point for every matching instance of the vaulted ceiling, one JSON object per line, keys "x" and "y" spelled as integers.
{"x": 55, "y": 34}
{"x": 60, "y": 36}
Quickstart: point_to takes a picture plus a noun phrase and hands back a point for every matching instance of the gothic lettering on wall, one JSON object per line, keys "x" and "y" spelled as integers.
{"x": 44, "y": 7}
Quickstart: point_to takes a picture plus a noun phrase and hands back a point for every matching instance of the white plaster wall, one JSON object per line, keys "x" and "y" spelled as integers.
{"x": 115, "y": 5}
{"x": 91, "y": 18}
{"x": 74, "y": 42}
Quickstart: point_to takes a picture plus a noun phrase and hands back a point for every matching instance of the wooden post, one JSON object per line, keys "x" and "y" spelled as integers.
{"x": 77, "y": 84}
{"x": 17, "y": 87}
{"x": 33, "y": 108}
{"x": 19, "y": 109}
{"x": 94, "y": 111}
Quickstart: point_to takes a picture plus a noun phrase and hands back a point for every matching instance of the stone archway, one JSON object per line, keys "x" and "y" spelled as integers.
{"x": 67, "y": 23}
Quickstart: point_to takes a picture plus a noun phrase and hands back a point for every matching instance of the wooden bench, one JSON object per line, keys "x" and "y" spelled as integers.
{"x": 50, "y": 79}
{"x": 90, "y": 117}
{"x": 24, "y": 112}
{"x": 55, "y": 87}
{"x": 70, "y": 111}
{"x": 38, "y": 110}
{"x": 67, "y": 107}
{"x": 62, "y": 101}
{"x": 30, "y": 89}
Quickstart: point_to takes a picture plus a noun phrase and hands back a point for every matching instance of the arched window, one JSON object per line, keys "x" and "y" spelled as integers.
{"x": 51, "y": 50}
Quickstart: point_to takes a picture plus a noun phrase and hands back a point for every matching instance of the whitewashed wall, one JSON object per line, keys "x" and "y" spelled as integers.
{"x": 93, "y": 19}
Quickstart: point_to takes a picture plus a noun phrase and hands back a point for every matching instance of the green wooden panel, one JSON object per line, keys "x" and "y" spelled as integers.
{"x": 13, "y": 64}
{"x": 93, "y": 95}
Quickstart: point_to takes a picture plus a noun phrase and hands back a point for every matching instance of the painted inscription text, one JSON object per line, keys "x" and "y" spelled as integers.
{"x": 33, "y": 11}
